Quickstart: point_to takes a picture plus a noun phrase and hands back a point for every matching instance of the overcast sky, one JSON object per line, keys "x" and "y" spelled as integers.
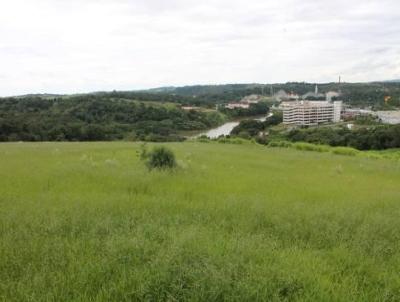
{"x": 68, "y": 46}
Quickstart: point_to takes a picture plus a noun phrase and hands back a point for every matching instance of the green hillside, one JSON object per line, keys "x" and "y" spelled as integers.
{"x": 88, "y": 222}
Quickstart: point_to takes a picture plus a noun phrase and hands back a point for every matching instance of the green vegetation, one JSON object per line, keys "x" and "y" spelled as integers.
{"x": 366, "y": 120}
{"x": 252, "y": 128}
{"x": 255, "y": 129}
{"x": 156, "y": 115}
{"x": 159, "y": 158}
{"x": 356, "y": 94}
{"x": 248, "y": 128}
{"x": 89, "y": 222}
{"x": 366, "y": 138}
{"x": 320, "y": 148}
{"x": 97, "y": 118}
{"x": 260, "y": 108}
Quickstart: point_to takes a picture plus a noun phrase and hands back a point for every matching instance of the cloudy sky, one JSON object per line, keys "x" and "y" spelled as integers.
{"x": 68, "y": 46}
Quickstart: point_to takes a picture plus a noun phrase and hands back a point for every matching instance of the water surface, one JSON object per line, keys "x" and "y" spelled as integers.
{"x": 226, "y": 128}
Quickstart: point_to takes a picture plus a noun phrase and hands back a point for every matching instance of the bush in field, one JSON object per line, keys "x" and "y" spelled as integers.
{"x": 262, "y": 140}
{"x": 160, "y": 158}
{"x": 203, "y": 139}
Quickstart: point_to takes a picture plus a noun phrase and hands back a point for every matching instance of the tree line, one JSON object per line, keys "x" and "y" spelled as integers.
{"x": 95, "y": 118}
{"x": 371, "y": 138}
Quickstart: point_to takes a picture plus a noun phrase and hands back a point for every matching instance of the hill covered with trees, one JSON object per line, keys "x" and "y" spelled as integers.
{"x": 357, "y": 94}
{"x": 156, "y": 114}
{"x": 96, "y": 118}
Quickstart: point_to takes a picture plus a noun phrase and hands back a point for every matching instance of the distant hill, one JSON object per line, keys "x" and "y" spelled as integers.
{"x": 168, "y": 89}
{"x": 40, "y": 95}
{"x": 204, "y": 89}
{"x": 357, "y": 94}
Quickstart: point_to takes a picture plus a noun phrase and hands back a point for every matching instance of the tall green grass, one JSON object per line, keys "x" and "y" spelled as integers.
{"x": 88, "y": 222}
{"x": 393, "y": 154}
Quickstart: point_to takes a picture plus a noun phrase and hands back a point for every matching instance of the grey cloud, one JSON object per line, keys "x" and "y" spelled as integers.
{"x": 111, "y": 44}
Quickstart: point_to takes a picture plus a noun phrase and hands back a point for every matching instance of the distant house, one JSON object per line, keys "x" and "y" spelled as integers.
{"x": 251, "y": 99}
{"x": 188, "y": 108}
{"x": 237, "y": 105}
{"x": 389, "y": 117}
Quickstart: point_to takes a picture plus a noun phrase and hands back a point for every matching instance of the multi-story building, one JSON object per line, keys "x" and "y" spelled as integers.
{"x": 311, "y": 113}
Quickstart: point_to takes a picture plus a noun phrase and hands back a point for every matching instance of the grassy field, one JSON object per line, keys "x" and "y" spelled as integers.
{"x": 88, "y": 222}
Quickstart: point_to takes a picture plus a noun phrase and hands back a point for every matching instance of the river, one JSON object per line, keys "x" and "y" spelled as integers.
{"x": 226, "y": 128}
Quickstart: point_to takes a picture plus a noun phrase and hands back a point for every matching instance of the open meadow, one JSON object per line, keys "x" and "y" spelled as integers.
{"x": 88, "y": 222}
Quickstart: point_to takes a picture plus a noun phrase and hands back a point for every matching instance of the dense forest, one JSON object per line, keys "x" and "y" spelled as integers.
{"x": 96, "y": 118}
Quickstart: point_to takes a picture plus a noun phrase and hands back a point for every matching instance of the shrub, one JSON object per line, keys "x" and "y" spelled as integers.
{"x": 203, "y": 139}
{"x": 160, "y": 158}
{"x": 262, "y": 140}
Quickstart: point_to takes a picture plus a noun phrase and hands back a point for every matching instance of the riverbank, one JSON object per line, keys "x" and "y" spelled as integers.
{"x": 226, "y": 128}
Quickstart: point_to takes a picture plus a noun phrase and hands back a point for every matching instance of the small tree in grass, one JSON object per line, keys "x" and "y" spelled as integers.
{"x": 159, "y": 158}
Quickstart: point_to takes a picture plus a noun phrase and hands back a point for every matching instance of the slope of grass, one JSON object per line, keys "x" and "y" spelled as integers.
{"x": 88, "y": 222}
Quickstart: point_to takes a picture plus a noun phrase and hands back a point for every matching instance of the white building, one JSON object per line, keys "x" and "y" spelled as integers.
{"x": 237, "y": 105}
{"x": 389, "y": 117}
{"x": 251, "y": 99}
{"x": 311, "y": 113}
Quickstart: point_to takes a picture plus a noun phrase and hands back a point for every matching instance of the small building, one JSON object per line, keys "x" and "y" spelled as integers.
{"x": 237, "y": 106}
{"x": 188, "y": 108}
{"x": 389, "y": 117}
{"x": 351, "y": 113}
{"x": 251, "y": 99}
{"x": 311, "y": 113}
